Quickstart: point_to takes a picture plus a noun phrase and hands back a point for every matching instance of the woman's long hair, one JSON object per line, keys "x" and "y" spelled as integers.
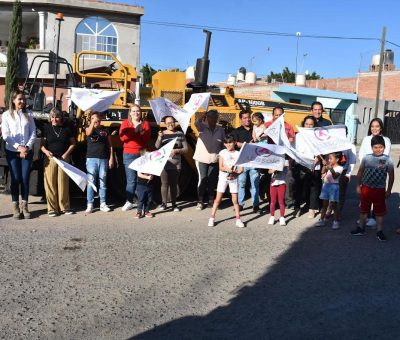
{"x": 12, "y": 108}
{"x": 379, "y": 122}
{"x": 129, "y": 113}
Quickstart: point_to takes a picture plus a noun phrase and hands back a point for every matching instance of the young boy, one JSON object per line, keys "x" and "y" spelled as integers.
{"x": 144, "y": 191}
{"x": 228, "y": 174}
{"x": 371, "y": 185}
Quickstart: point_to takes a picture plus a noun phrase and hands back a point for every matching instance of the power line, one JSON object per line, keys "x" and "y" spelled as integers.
{"x": 256, "y": 32}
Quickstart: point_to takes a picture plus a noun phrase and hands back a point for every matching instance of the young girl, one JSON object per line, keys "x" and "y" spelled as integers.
{"x": 330, "y": 189}
{"x": 227, "y": 177}
{"x": 277, "y": 193}
{"x": 258, "y": 126}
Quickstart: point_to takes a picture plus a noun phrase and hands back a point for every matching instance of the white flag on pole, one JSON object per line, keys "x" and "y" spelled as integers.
{"x": 91, "y": 99}
{"x": 153, "y": 162}
{"x": 261, "y": 155}
{"x": 327, "y": 139}
{"x": 78, "y": 176}
{"x": 162, "y": 107}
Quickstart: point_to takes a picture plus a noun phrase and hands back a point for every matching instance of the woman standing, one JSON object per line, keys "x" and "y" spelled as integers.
{"x": 209, "y": 144}
{"x": 135, "y": 134}
{"x": 58, "y": 141}
{"x": 170, "y": 174}
{"x": 307, "y": 182}
{"x": 99, "y": 158}
{"x": 19, "y": 132}
{"x": 375, "y": 129}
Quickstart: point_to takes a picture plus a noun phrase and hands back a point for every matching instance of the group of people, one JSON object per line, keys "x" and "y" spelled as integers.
{"x": 321, "y": 189}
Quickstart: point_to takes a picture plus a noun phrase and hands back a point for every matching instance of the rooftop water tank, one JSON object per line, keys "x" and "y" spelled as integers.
{"x": 231, "y": 80}
{"x": 388, "y": 57}
{"x": 250, "y": 78}
{"x": 375, "y": 59}
{"x": 190, "y": 72}
{"x": 240, "y": 76}
{"x": 301, "y": 79}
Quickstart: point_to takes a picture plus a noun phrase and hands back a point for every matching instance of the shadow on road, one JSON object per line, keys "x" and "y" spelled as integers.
{"x": 328, "y": 285}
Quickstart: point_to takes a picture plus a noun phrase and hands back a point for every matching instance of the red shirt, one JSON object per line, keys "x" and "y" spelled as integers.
{"x": 288, "y": 129}
{"x": 132, "y": 139}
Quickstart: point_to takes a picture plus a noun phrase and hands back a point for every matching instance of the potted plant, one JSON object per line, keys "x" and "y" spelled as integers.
{"x": 32, "y": 43}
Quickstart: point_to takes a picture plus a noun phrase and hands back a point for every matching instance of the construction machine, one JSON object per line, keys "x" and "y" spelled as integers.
{"x": 169, "y": 84}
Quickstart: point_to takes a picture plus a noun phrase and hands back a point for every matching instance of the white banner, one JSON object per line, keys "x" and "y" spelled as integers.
{"x": 261, "y": 155}
{"x": 276, "y": 131}
{"x": 162, "y": 107}
{"x": 95, "y": 100}
{"x": 153, "y": 162}
{"x": 327, "y": 139}
{"x": 78, "y": 176}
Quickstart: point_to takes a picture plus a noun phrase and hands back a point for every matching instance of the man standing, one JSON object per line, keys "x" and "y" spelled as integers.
{"x": 316, "y": 110}
{"x": 242, "y": 134}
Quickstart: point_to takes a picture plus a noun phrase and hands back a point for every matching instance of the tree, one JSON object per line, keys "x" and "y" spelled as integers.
{"x": 313, "y": 76}
{"x": 14, "y": 41}
{"x": 147, "y": 72}
{"x": 287, "y": 76}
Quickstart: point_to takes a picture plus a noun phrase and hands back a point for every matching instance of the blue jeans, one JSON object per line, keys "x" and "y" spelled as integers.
{"x": 97, "y": 168}
{"x": 145, "y": 196}
{"x": 131, "y": 176}
{"x": 20, "y": 170}
{"x": 254, "y": 181}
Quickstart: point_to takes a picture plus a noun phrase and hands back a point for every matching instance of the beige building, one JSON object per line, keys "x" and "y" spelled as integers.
{"x": 88, "y": 25}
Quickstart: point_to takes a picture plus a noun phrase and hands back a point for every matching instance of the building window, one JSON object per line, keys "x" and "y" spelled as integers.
{"x": 294, "y": 101}
{"x": 96, "y": 34}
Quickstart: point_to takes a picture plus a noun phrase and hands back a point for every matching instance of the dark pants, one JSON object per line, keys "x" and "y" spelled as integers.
{"x": 169, "y": 178}
{"x": 308, "y": 187}
{"x": 343, "y": 182}
{"x": 145, "y": 197}
{"x": 208, "y": 178}
{"x": 290, "y": 188}
{"x": 20, "y": 169}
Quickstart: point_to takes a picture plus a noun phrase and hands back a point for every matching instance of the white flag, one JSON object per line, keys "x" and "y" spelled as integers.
{"x": 162, "y": 107}
{"x": 91, "y": 99}
{"x": 153, "y": 162}
{"x": 277, "y": 132}
{"x": 261, "y": 155}
{"x": 327, "y": 139}
{"x": 78, "y": 176}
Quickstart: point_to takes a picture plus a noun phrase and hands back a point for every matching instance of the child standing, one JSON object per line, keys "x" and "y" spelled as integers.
{"x": 258, "y": 126}
{"x": 330, "y": 189}
{"x": 144, "y": 190}
{"x": 277, "y": 193}
{"x": 371, "y": 185}
{"x": 228, "y": 174}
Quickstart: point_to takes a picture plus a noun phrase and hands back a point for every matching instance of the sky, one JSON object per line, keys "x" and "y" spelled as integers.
{"x": 165, "y": 47}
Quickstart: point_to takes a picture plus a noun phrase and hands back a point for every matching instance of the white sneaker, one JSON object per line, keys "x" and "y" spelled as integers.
{"x": 127, "y": 206}
{"x": 335, "y": 225}
{"x": 211, "y": 222}
{"x": 282, "y": 221}
{"x": 239, "y": 223}
{"x": 89, "y": 208}
{"x": 320, "y": 223}
{"x": 104, "y": 207}
{"x": 271, "y": 220}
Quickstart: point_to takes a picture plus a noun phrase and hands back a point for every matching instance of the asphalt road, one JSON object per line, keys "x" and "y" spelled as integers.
{"x": 109, "y": 276}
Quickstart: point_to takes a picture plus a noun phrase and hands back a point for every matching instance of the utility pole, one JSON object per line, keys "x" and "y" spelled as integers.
{"x": 378, "y": 87}
{"x": 298, "y": 34}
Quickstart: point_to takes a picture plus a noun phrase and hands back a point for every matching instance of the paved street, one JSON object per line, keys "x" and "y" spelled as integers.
{"x": 109, "y": 276}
